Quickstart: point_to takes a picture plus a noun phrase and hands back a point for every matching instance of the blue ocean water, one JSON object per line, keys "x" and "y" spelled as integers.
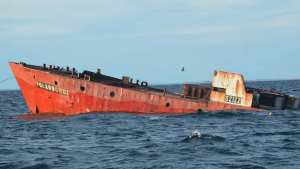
{"x": 241, "y": 140}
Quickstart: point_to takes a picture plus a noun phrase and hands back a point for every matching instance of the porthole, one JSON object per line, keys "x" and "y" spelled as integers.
{"x": 168, "y": 104}
{"x": 55, "y": 82}
{"x": 82, "y": 88}
{"x": 200, "y": 110}
{"x": 112, "y": 94}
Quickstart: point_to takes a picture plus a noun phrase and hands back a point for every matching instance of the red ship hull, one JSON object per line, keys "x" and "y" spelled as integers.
{"x": 46, "y": 92}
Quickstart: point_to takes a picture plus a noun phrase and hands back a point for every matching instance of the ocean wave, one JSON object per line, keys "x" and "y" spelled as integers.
{"x": 197, "y": 135}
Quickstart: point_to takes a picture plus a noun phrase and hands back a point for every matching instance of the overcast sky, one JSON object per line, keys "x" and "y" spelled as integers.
{"x": 151, "y": 39}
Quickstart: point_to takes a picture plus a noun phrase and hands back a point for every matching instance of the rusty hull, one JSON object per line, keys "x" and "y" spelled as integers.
{"x": 65, "y": 91}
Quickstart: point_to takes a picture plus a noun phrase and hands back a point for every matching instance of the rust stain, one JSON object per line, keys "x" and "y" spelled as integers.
{"x": 233, "y": 89}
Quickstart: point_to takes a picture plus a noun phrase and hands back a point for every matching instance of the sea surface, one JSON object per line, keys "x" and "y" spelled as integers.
{"x": 237, "y": 140}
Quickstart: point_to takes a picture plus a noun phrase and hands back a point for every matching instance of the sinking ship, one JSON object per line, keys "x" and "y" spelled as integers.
{"x": 54, "y": 89}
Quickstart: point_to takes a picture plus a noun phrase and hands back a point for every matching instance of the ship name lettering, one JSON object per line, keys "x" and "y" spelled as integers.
{"x": 52, "y": 88}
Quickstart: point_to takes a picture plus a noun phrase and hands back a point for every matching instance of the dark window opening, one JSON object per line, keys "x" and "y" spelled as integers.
{"x": 168, "y": 104}
{"x": 190, "y": 91}
{"x": 37, "y": 109}
{"x": 55, "y": 82}
{"x": 82, "y": 88}
{"x": 202, "y": 92}
{"x": 112, "y": 94}
{"x": 219, "y": 89}
{"x": 196, "y": 93}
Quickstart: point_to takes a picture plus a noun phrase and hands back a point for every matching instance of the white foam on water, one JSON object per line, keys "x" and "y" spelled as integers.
{"x": 196, "y": 134}
{"x": 155, "y": 118}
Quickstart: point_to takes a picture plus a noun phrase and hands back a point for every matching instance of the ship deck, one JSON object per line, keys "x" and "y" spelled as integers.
{"x": 107, "y": 80}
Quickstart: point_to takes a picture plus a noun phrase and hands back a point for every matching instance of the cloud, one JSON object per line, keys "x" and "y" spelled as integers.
{"x": 222, "y": 4}
{"x": 57, "y": 9}
{"x": 282, "y": 21}
{"x": 36, "y": 18}
{"x": 31, "y": 30}
{"x": 285, "y": 25}
{"x": 281, "y": 24}
{"x": 54, "y": 17}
